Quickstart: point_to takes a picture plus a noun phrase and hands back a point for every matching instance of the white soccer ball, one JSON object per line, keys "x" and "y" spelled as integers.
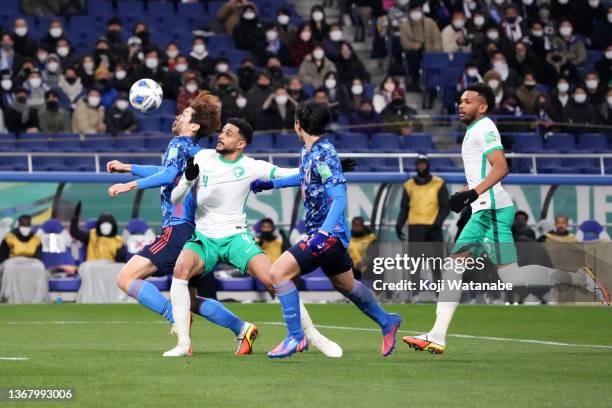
{"x": 146, "y": 95}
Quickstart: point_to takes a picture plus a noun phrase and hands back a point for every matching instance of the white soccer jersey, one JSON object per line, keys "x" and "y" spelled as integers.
{"x": 222, "y": 189}
{"x": 482, "y": 138}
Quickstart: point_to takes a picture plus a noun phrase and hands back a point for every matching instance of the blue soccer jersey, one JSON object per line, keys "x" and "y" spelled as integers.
{"x": 320, "y": 170}
{"x": 179, "y": 150}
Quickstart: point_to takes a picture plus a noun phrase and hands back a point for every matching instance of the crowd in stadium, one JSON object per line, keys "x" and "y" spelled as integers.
{"x": 546, "y": 58}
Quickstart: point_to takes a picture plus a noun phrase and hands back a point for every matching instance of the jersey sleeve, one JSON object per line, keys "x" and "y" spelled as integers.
{"x": 327, "y": 166}
{"x": 490, "y": 140}
{"x": 268, "y": 171}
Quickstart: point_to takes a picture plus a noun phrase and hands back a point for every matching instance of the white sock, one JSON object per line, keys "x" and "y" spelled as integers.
{"x": 538, "y": 275}
{"x": 448, "y": 300}
{"x": 181, "y": 301}
{"x": 307, "y": 325}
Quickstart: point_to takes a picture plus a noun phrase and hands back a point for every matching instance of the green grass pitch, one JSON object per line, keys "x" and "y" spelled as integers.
{"x": 111, "y": 355}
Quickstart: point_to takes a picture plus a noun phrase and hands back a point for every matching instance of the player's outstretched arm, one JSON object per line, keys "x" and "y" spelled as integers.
{"x": 115, "y": 166}
{"x": 161, "y": 178}
{"x": 192, "y": 171}
{"x": 259, "y": 185}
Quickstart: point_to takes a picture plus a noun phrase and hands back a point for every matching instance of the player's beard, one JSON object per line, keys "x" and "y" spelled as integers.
{"x": 224, "y": 150}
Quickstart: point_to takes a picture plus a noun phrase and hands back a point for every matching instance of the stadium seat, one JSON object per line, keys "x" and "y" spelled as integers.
{"x": 316, "y": 280}
{"x": 35, "y": 142}
{"x": 13, "y": 163}
{"x": 127, "y": 8}
{"x": 287, "y": 162}
{"x": 165, "y": 122}
{"x": 148, "y": 122}
{"x": 130, "y": 143}
{"x": 45, "y": 163}
{"x": 147, "y": 161}
{"x": 433, "y": 65}
{"x": 56, "y": 244}
{"x": 352, "y": 141}
{"x": 186, "y": 10}
{"x": 157, "y": 142}
{"x": 520, "y": 165}
{"x": 561, "y": 142}
{"x": 168, "y": 107}
{"x": 444, "y": 165}
{"x": 287, "y": 143}
{"x": 235, "y": 284}
{"x": 593, "y": 142}
{"x": 68, "y": 284}
{"x": 384, "y": 164}
{"x": 83, "y": 163}
{"x": 219, "y": 43}
{"x": 552, "y": 165}
{"x": 64, "y": 144}
{"x": 526, "y": 142}
{"x": 7, "y": 142}
{"x": 262, "y": 143}
{"x": 418, "y": 142}
{"x": 211, "y": 8}
{"x": 162, "y": 283}
{"x": 235, "y": 56}
{"x": 386, "y": 142}
{"x": 459, "y": 59}
{"x": 97, "y": 143}
{"x": 100, "y": 8}
{"x": 160, "y": 8}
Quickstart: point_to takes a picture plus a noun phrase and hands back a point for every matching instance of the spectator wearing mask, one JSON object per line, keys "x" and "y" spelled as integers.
{"x": 118, "y": 118}
{"x": 560, "y": 96}
{"x": 21, "y": 241}
{"x": 187, "y": 94}
{"x": 524, "y": 60}
{"x": 493, "y": 79}
{"x": 296, "y": 90}
{"x": 561, "y": 232}
{"x": 418, "y": 34}
{"x": 477, "y": 31}
{"x": 120, "y": 80}
{"x": 510, "y": 106}
{"x": 278, "y": 111}
{"x": 382, "y": 96}
{"x": 546, "y": 114}
{"x": 101, "y": 242}
{"x": 53, "y": 119}
{"x": 21, "y": 117}
{"x": 365, "y": 119}
{"x": 102, "y": 55}
{"x": 302, "y": 45}
{"x": 286, "y": 31}
{"x": 361, "y": 238}
{"x": 231, "y": 12}
{"x": 455, "y": 35}
{"x": 315, "y": 67}
{"x": 318, "y": 24}
{"x": 55, "y": 32}
{"x": 172, "y": 52}
{"x": 605, "y": 109}
{"x": 337, "y": 96}
{"x": 399, "y": 117}
{"x": 86, "y": 71}
{"x": 470, "y": 76}
{"x": 589, "y": 18}
{"x": 558, "y": 66}
{"x": 271, "y": 243}
{"x": 602, "y": 37}
{"x": 88, "y": 116}
{"x": 273, "y": 47}
{"x": 596, "y": 90}
{"x": 512, "y": 25}
{"x": 578, "y": 111}
{"x": 24, "y": 45}
{"x": 114, "y": 36}
{"x": 275, "y": 69}
{"x": 226, "y": 88}
{"x": 152, "y": 69}
{"x": 424, "y": 206}
{"x": 222, "y": 67}
{"x": 6, "y": 89}
{"x": 247, "y": 74}
{"x": 333, "y": 43}
{"x": 249, "y": 33}
{"x": 259, "y": 93}
{"x": 67, "y": 56}
{"x": 349, "y": 66}
{"x": 537, "y": 40}
{"x": 53, "y": 71}
{"x": 9, "y": 60}
{"x": 573, "y": 47}
{"x": 354, "y": 95}
{"x": 528, "y": 94}
{"x": 199, "y": 60}
{"x": 511, "y": 79}
{"x": 604, "y": 65}
{"x": 243, "y": 108}
{"x": 70, "y": 84}
{"x": 105, "y": 86}
{"x": 36, "y": 89}
{"x": 141, "y": 31}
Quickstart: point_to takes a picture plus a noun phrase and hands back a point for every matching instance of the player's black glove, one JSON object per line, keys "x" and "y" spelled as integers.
{"x": 460, "y": 200}
{"x": 400, "y": 233}
{"x": 348, "y": 164}
{"x": 77, "y": 211}
{"x": 192, "y": 170}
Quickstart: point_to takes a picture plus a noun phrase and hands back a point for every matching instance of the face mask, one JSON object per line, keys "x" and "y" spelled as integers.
{"x": 35, "y": 82}
{"x": 221, "y": 68}
{"x": 580, "y": 98}
{"x": 473, "y": 72}
{"x": 6, "y": 84}
{"x": 335, "y": 35}
{"x": 389, "y": 87}
{"x": 479, "y": 21}
{"x": 21, "y": 99}
{"x": 493, "y": 83}
{"x": 172, "y": 53}
{"x": 151, "y": 63}
{"x": 499, "y": 2}
{"x": 88, "y": 66}
{"x": 317, "y": 16}
{"x": 268, "y": 235}
{"x": 42, "y": 57}
{"x": 530, "y": 85}
{"x": 241, "y": 102}
{"x": 318, "y": 54}
{"x": 271, "y": 35}
{"x": 122, "y": 104}
{"x": 609, "y": 17}
{"x": 609, "y": 99}
{"x": 403, "y": 2}
{"x": 472, "y": 5}
{"x": 565, "y": 31}
{"x": 106, "y": 228}
{"x": 199, "y": 48}
{"x": 52, "y": 66}
{"x": 55, "y": 32}
{"x": 21, "y": 31}
{"x": 563, "y": 87}
{"x": 25, "y": 231}
{"x": 458, "y": 24}
{"x": 357, "y": 89}
{"x": 416, "y": 15}
{"x": 283, "y": 19}
{"x": 280, "y": 99}
{"x": 528, "y": 2}
{"x": 563, "y": 1}
{"x": 594, "y": 3}
{"x": 592, "y": 84}
{"x": 330, "y": 83}
{"x": 500, "y": 65}
{"x": 609, "y": 55}
{"x": 71, "y": 80}
{"x": 120, "y": 74}
{"x": 63, "y": 51}
{"x": 492, "y": 35}
{"x": 93, "y": 101}
{"x": 52, "y": 105}
{"x": 537, "y": 33}
{"x": 191, "y": 88}
{"x": 248, "y": 15}
{"x": 180, "y": 67}
{"x": 305, "y": 36}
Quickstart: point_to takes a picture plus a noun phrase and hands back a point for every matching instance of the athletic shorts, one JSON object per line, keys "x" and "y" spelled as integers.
{"x": 235, "y": 250}
{"x": 333, "y": 260}
{"x": 490, "y": 232}
{"x": 166, "y": 248}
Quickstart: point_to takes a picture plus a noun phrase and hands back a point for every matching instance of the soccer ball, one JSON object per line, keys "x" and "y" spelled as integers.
{"x": 146, "y": 95}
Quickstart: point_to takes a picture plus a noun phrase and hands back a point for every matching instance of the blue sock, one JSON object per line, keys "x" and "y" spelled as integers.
{"x": 215, "y": 312}
{"x": 148, "y": 295}
{"x": 364, "y": 300}
{"x": 290, "y": 302}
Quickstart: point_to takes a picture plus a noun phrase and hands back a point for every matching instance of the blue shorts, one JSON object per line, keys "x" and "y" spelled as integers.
{"x": 333, "y": 260}
{"x": 166, "y": 248}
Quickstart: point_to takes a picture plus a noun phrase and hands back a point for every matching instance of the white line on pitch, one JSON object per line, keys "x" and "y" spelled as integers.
{"x": 14, "y": 358}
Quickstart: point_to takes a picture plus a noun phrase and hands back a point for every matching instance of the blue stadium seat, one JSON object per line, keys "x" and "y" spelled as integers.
{"x": 35, "y": 142}
{"x": 288, "y": 142}
{"x": 445, "y": 165}
{"x": 186, "y": 10}
{"x": 130, "y": 143}
{"x": 561, "y": 142}
{"x": 433, "y": 66}
{"x": 386, "y": 142}
{"x": 130, "y": 8}
{"x": 459, "y": 59}
{"x": 287, "y": 162}
{"x": 235, "y": 284}
{"x": 97, "y": 142}
{"x": 49, "y": 164}
{"x": 594, "y": 142}
{"x": 7, "y": 142}
{"x": 148, "y": 122}
{"x": 212, "y": 8}
{"x": 586, "y": 165}
{"x": 552, "y": 165}
{"x": 236, "y": 56}
{"x": 149, "y": 161}
{"x": 157, "y": 142}
{"x": 418, "y": 142}
{"x": 592, "y": 57}
{"x": 168, "y": 107}
{"x": 13, "y": 163}
{"x": 67, "y": 142}
{"x": 352, "y": 141}
{"x": 526, "y": 142}
{"x": 316, "y": 280}
{"x": 383, "y": 165}
{"x": 165, "y": 122}
{"x": 100, "y": 8}
{"x": 262, "y": 143}
{"x": 160, "y": 8}
{"x": 219, "y": 43}
{"x": 521, "y": 165}
{"x": 67, "y": 284}
{"x": 83, "y": 163}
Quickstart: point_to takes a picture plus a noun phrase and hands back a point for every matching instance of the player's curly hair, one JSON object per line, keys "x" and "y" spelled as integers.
{"x": 486, "y": 92}
{"x": 206, "y": 113}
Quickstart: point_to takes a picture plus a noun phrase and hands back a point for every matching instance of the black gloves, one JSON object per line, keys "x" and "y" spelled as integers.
{"x": 400, "y": 233}
{"x": 348, "y": 164}
{"x": 77, "y": 211}
{"x": 192, "y": 170}
{"x": 460, "y": 200}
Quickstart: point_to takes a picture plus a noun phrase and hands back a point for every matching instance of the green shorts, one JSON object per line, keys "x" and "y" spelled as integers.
{"x": 489, "y": 231}
{"x": 235, "y": 250}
